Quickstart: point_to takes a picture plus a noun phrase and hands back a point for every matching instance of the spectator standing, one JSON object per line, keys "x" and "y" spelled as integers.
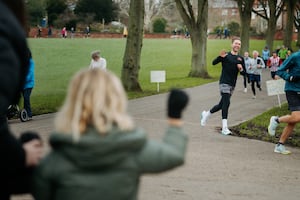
{"x": 28, "y": 86}
{"x": 97, "y": 61}
{"x": 290, "y": 72}
{"x": 16, "y": 158}
{"x": 273, "y": 63}
{"x": 72, "y": 32}
{"x": 232, "y": 64}
{"x": 87, "y": 32}
{"x": 64, "y": 32}
{"x": 97, "y": 152}
{"x": 255, "y": 70}
{"x": 50, "y": 31}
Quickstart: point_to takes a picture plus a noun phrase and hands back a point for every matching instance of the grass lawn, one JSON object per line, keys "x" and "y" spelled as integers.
{"x": 256, "y": 128}
{"x": 58, "y": 59}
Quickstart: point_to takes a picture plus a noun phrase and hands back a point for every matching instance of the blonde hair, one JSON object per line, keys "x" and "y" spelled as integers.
{"x": 95, "y": 98}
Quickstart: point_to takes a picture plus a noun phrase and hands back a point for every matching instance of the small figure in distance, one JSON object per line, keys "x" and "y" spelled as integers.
{"x": 97, "y": 61}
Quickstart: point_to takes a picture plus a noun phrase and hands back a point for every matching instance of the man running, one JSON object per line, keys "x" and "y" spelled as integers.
{"x": 232, "y": 64}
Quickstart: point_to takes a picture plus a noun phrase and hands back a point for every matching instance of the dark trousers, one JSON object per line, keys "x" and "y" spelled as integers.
{"x": 26, "y": 97}
{"x": 223, "y": 104}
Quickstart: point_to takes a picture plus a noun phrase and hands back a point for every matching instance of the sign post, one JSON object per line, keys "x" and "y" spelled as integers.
{"x": 158, "y": 77}
{"x": 275, "y": 87}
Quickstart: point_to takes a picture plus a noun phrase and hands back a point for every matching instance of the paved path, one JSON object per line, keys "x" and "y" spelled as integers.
{"x": 217, "y": 166}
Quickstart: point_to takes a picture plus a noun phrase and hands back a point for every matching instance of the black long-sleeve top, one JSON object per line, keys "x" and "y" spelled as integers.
{"x": 229, "y": 68}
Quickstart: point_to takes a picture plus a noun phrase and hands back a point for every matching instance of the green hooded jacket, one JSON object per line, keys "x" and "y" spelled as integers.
{"x": 106, "y": 167}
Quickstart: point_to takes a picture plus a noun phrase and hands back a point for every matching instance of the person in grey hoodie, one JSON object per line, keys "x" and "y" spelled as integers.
{"x": 97, "y": 151}
{"x": 254, "y": 70}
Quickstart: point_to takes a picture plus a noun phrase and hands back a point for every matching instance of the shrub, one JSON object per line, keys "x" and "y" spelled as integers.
{"x": 159, "y": 25}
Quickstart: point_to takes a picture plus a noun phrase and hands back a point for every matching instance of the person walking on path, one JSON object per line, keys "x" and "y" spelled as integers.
{"x": 255, "y": 69}
{"x": 97, "y": 61}
{"x": 273, "y": 63}
{"x": 232, "y": 64}
{"x": 97, "y": 152}
{"x": 290, "y": 72}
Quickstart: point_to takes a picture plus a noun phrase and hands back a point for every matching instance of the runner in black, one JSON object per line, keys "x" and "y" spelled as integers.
{"x": 232, "y": 64}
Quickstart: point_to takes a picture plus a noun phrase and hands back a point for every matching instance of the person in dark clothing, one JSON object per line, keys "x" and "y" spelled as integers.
{"x": 232, "y": 64}
{"x": 15, "y": 157}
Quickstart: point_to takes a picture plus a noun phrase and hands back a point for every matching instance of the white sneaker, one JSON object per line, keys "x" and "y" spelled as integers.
{"x": 204, "y": 117}
{"x": 225, "y": 131}
{"x": 272, "y": 125}
{"x": 279, "y": 148}
{"x": 245, "y": 90}
{"x": 254, "y": 97}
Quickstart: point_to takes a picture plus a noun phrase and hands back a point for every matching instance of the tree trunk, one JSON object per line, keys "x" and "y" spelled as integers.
{"x": 132, "y": 55}
{"x": 197, "y": 26}
{"x": 288, "y": 33}
{"x": 199, "y": 47}
{"x": 245, "y": 9}
{"x": 245, "y": 34}
{"x": 272, "y": 20}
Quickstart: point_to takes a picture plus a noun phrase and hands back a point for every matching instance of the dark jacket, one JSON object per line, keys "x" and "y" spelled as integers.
{"x": 13, "y": 69}
{"x": 105, "y": 167}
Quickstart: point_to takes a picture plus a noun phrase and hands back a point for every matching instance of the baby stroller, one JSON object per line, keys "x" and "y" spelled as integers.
{"x": 14, "y": 111}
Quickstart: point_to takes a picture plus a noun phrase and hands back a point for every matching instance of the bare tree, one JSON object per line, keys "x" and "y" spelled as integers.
{"x": 245, "y": 9}
{"x": 297, "y": 22}
{"x": 288, "y": 33}
{"x": 270, "y": 10}
{"x": 152, "y": 8}
{"x": 132, "y": 55}
{"x": 195, "y": 18}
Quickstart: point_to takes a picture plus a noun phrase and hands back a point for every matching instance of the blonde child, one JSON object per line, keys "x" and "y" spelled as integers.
{"x": 97, "y": 152}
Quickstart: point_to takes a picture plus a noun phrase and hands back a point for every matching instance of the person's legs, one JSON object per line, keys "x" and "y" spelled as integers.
{"x": 273, "y": 75}
{"x": 26, "y": 96}
{"x": 293, "y": 99}
{"x": 258, "y": 81}
{"x": 225, "y": 108}
{"x": 245, "y": 82}
{"x": 205, "y": 114}
{"x": 225, "y": 105}
{"x": 253, "y": 88}
{"x": 291, "y": 121}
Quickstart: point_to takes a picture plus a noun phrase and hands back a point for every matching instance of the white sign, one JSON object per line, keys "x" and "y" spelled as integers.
{"x": 158, "y": 76}
{"x": 275, "y": 87}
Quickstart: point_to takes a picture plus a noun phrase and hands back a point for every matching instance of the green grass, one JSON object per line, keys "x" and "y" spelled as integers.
{"x": 256, "y": 128}
{"x": 58, "y": 59}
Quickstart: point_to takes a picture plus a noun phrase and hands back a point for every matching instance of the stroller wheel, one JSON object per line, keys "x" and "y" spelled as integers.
{"x": 12, "y": 111}
{"x": 23, "y": 115}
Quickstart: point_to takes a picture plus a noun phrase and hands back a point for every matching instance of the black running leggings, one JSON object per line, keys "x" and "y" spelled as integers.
{"x": 223, "y": 104}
